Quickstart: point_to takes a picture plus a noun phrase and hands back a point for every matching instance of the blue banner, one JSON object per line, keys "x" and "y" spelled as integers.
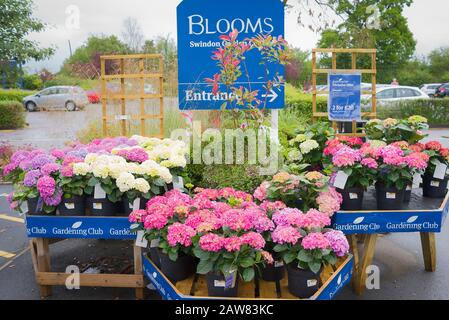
{"x": 390, "y": 222}
{"x": 344, "y": 97}
{"x": 200, "y": 23}
{"x": 339, "y": 281}
{"x": 79, "y": 228}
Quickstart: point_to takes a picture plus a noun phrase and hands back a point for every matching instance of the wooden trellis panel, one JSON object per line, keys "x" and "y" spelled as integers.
{"x": 354, "y": 54}
{"x": 140, "y": 74}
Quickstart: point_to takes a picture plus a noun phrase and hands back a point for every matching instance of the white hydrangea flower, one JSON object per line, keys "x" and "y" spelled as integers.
{"x": 141, "y": 185}
{"x": 125, "y": 181}
{"x": 81, "y": 169}
{"x": 308, "y": 145}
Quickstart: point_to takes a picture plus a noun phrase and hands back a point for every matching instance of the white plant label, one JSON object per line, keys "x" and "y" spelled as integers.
{"x": 353, "y": 196}
{"x": 409, "y": 188}
{"x": 340, "y": 180}
{"x": 136, "y": 204}
{"x": 140, "y": 240}
{"x": 99, "y": 192}
{"x": 435, "y": 184}
{"x": 417, "y": 179}
{"x": 178, "y": 183}
{"x": 98, "y": 206}
{"x": 279, "y": 264}
{"x": 391, "y": 195}
{"x": 154, "y": 243}
{"x": 219, "y": 284}
{"x": 24, "y": 207}
{"x": 440, "y": 171}
{"x": 70, "y": 206}
{"x": 312, "y": 283}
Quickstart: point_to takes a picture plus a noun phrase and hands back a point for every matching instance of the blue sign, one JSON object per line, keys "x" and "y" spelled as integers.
{"x": 79, "y": 228}
{"x": 344, "y": 97}
{"x": 200, "y": 24}
{"x": 390, "y": 222}
{"x": 339, "y": 281}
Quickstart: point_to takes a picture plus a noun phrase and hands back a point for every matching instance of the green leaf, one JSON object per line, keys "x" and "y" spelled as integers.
{"x": 247, "y": 262}
{"x": 248, "y": 274}
{"x": 289, "y": 257}
{"x": 205, "y": 266}
{"x": 92, "y": 182}
{"x": 173, "y": 255}
{"x": 200, "y": 254}
{"x": 314, "y": 266}
{"x": 305, "y": 256}
{"x": 280, "y": 247}
{"x": 331, "y": 259}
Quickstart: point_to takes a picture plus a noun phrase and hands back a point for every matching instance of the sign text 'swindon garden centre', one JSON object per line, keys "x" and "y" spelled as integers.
{"x": 200, "y": 23}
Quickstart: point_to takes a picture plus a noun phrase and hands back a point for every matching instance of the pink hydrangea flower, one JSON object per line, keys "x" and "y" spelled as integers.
{"x": 267, "y": 257}
{"x": 272, "y": 206}
{"x": 155, "y": 221}
{"x": 314, "y": 219}
{"x": 338, "y": 242}
{"x": 285, "y": 235}
{"x": 180, "y": 234}
{"x": 370, "y": 163}
{"x": 329, "y": 201}
{"x": 253, "y": 239}
{"x": 137, "y": 216}
{"x": 346, "y": 157}
{"x": 67, "y": 171}
{"x": 315, "y": 241}
{"x": 211, "y": 242}
{"x": 261, "y": 192}
{"x": 232, "y": 244}
{"x": 46, "y": 186}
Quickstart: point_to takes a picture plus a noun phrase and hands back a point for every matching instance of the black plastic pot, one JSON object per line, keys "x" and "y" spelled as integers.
{"x": 302, "y": 283}
{"x": 177, "y": 270}
{"x": 102, "y": 207}
{"x": 434, "y": 188}
{"x": 72, "y": 207}
{"x": 216, "y": 286}
{"x": 33, "y": 207}
{"x": 408, "y": 194}
{"x": 274, "y": 272}
{"x": 154, "y": 256}
{"x": 352, "y": 198}
{"x": 389, "y": 198}
{"x": 127, "y": 206}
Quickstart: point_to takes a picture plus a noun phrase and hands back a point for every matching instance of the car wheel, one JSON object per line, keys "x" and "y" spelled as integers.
{"x": 30, "y": 106}
{"x": 70, "y": 106}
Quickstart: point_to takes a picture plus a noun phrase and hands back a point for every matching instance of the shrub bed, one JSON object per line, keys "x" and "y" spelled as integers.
{"x": 14, "y": 95}
{"x": 435, "y": 110}
{"x": 302, "y": 103}
{"x": 12, "y": 115}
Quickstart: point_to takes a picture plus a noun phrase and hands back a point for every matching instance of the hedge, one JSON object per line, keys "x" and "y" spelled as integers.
{"x": 302, "y": 102}
{"x": 435, "y": 110}
{"x": 14, "y": 95}
{"x": 12, "y": 115}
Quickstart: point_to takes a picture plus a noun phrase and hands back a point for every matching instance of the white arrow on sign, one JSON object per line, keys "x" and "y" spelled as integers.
{"x": 273, "y": 95}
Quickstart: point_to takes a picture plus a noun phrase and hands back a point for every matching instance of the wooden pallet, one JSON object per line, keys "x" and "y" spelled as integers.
{"x": 195, "y": 287}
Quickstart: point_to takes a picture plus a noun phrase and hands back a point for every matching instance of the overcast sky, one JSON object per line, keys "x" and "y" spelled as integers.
{"x": 427, "y": 22}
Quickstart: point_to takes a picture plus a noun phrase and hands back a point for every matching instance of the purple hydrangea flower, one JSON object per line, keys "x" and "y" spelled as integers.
{"x": 53, "y": 200}
{"x": 40, "y": 160}
{"x": 31, "y": 178}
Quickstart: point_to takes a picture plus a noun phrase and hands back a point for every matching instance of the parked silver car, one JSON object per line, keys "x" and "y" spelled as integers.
{"x": 70, "y": 98}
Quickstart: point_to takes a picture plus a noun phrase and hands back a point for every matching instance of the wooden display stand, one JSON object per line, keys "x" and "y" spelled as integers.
{"x": 434, "y": 218}
{"x": 40, "y": 254}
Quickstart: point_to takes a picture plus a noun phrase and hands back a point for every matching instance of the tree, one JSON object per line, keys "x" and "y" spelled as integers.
{"x": 85, "y": 61}
{"x": 132, "y": 34}
{"x": 439, "y": 64}
{"x": 391, "y": 37}
{"x": 16, "y": 23}
{"x": 299, "y": 69}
